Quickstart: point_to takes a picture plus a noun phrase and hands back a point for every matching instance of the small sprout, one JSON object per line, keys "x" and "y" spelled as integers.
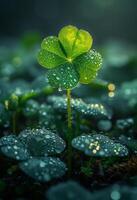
{"x": 68, "y": 191}
{"x": 99, "y": 146}
{"x": 31, "y": 143}
{"x": 18, "y": 93}
{"x": 43, "y": 169}
{"x": 12, "y": 103}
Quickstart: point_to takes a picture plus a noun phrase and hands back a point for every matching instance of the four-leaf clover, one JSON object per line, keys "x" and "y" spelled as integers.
{"x": 69, "y": 58}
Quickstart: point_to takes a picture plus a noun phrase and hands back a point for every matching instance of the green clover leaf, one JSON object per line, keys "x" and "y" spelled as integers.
{"x": 51, "y": 54}
{"x": 65, "y": 76}
{"x": 88, "y": 65}
{"x": 69, "y": 58}
{"x": 49, "y": 60}
{"x": 74, "y": 41}
{"x": 52, "y": 44}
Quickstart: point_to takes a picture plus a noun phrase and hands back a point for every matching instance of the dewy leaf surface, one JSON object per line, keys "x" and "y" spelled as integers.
{"x": 52, "y": 45}
{"x": 49, "y": 60}
{"x": 88, "y": 65}
{"x": 64, "y": 77}
{"x": 82, "y": 44}
{"x": 67, "y": 37}
{"x": 74, "y": 41}
{"x": 16, "y": 151}
{"x": 43, "y": 169}
{"x": 41, "y": 142}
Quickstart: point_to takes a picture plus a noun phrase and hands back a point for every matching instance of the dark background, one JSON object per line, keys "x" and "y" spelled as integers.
{"x": 105, "y": 19}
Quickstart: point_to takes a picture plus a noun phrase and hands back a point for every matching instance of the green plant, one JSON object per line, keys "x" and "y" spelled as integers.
{"x": 98, "y": 145}
{"x": 34, "y": 148}
{"x": 70, "y": 61}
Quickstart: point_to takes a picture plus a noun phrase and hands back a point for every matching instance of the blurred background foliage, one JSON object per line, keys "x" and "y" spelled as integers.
{"x": 105, "y": 19}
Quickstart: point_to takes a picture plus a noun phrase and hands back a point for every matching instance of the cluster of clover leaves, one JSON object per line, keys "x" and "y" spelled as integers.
{"x": 69, "y": 58}
{"x": 36, "y": 151}
{"x": 70, "y": 61}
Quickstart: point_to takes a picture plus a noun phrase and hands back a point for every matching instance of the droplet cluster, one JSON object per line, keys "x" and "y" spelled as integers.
{"x": 96, "y": 110}
{"x": 64, "y": 77}
{"x": 99, "y": 145}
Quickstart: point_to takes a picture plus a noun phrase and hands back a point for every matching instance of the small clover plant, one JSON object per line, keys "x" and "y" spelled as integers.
{"x": 69, "y": 60}
{"x": 99, "y": 146}
{"x": 35, "y": 148}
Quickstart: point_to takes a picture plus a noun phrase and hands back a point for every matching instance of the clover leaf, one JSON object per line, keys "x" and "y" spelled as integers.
{"x": 52, "y": 44}
{"x": 99, "y": 146}
{"x": 32, "y": 143}
{"x": 43, "y": 169}
{"x": 88, "y": 65}
{"x": 69, "y": 58}
{"x": 64, "y": 77}
{"x": 49, "y": 60}
{"x": 74, "y": 41}
{"x": 131, "y": 143}
{"x": 90, "y": 110}
{"x": 33, "y": 148}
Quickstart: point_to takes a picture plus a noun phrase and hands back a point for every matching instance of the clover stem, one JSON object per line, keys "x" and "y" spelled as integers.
{"x": 69, "y": 136}
{"x": 69, "y": 109}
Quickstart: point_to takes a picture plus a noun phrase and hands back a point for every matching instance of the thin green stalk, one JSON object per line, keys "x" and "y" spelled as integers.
{"x": 69, "y": 136}
{"x": 69, "y": 111}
